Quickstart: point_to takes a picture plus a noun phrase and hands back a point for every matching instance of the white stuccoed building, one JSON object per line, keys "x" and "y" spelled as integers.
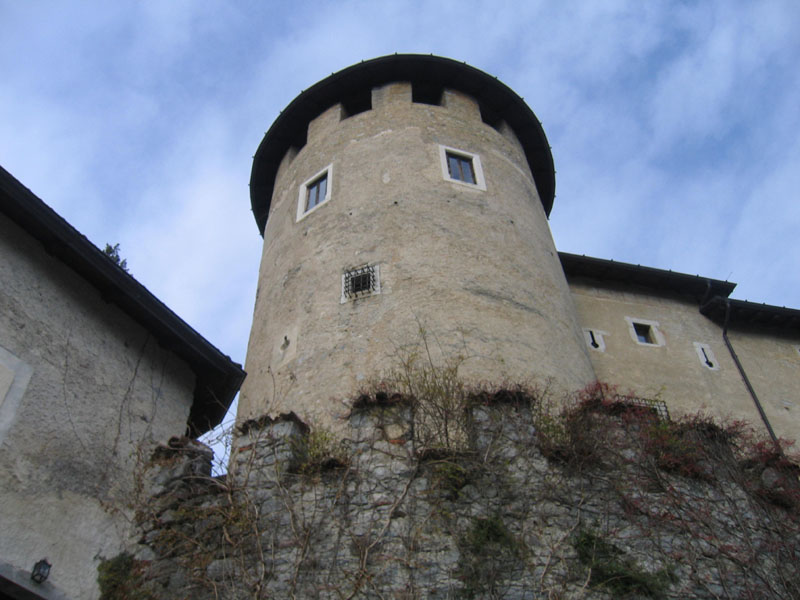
{"x": 94, "y": 371}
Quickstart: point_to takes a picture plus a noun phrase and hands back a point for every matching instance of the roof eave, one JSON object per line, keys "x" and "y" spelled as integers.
{"x": 700, "y": 288}
{"x": 218, "y": 378}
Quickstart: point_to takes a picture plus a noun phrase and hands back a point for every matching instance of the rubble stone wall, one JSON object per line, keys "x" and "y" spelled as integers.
{"x": 606, "y": 501}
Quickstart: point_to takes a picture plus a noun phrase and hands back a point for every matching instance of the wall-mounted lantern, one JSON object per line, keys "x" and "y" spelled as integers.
{"x": 41, "y": 570}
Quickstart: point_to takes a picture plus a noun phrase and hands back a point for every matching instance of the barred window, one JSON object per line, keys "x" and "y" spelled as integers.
{"x": 659, "y": 407}
{"x": 363, "y": 281}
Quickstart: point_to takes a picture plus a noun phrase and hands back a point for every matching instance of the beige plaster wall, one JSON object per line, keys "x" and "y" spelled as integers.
{"x": 772, "y": 362}
{"x": 476, "y": 268}
{"x": 675, "y": 373}
{"x": 89, "y": 385}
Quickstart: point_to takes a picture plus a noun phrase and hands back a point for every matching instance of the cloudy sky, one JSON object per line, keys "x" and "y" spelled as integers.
{"x": 674, "y": 125}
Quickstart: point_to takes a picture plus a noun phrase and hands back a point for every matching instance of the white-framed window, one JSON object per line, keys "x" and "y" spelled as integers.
{"x": 645, "y": 332}
{"x": 460, "y": 166}
{"x": 706, "y": 356}
{"x": 361, "y": 281}
{"x": 595, "y": 339}
{"x": 314, "y": 192}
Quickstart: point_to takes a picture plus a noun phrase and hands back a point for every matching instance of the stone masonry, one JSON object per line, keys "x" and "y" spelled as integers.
{"x": 603, "y": 501}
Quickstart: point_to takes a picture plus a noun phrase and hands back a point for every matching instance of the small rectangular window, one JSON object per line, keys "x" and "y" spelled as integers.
{"x": 645, "y": 332}
{"x": 360, "y": 283}
{"x": 658, "y": 407}
{"x": 314, "y": 192}
{"x": 460, "y": 168}
{"x": 363, "y": 281}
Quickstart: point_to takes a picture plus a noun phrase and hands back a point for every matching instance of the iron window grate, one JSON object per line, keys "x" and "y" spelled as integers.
{"x": 659, "y": 407}
{"x": 360, "y": 282}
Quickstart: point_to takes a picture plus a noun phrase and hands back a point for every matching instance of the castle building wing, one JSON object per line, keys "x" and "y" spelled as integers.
{"x": 94, "y": 370}
{"x": 611, "y": 271}
{"x": 682, "y": 340}
{"x": 712, "y": 295}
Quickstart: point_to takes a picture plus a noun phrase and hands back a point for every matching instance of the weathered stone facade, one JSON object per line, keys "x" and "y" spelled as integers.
{"x": 606, "y": 502}
{"x": 99, "y": 386}
{"x": 473, "y": 264}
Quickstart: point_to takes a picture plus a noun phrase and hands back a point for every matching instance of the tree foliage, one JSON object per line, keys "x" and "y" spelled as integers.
{"x": 112, "y": 252}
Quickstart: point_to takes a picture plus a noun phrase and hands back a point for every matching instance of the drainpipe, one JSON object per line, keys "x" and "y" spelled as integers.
{"x": 745, "y": 378}
{"x": 707, "y": 295}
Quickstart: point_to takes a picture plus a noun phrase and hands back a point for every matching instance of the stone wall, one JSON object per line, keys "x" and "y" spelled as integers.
{"x": 604, "y": 500}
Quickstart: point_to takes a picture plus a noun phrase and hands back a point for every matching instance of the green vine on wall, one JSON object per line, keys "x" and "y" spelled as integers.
{"x": 611, "y": 569}
{"x": 120, "y": 578}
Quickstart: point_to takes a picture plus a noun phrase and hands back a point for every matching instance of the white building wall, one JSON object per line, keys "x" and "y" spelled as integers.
{"x": 82, "y": 387}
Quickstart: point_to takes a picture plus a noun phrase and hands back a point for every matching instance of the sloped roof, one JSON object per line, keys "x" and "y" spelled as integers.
{"x": 700, "y": 288}
{"x": 712, "y": 295}
{"x": 752, "y": 313}
{"x": 217, "y": 377}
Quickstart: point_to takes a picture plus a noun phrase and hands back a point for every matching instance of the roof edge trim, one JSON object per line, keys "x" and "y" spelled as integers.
{"x": 217, "y": 377}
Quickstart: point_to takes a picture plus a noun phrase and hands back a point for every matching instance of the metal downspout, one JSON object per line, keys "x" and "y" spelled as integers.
{"x": 745, "y": 378}
{"x": 707, "y": 295}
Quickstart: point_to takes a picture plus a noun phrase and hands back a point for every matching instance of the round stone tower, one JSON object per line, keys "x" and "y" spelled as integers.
{"x": 403, "y": 197}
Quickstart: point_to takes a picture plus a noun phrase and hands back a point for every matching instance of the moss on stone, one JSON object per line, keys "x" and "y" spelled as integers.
{"x": 612, "y": 570}
{"x": 119, "y": 579}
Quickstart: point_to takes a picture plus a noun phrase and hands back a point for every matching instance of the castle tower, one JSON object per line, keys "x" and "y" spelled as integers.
{"x": 401, "y": 193}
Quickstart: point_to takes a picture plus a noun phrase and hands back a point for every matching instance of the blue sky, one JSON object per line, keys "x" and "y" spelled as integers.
{"x": 674, "y": 125}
